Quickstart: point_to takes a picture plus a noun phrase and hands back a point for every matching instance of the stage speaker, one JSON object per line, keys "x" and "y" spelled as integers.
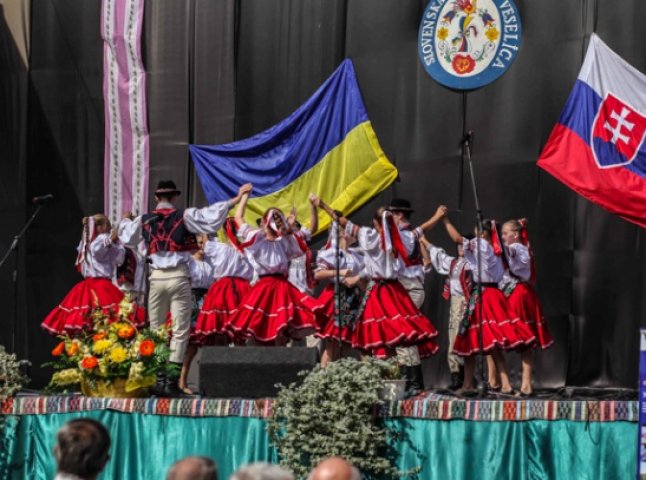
{"x": 251, "y": 372}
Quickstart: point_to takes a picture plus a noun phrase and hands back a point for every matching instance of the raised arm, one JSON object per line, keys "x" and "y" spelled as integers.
{"x": 242, "y": 205}
{"x": 210, "y": 219}
{"x": 342, "y": 220}
{"x": 314, "y": 213}
{"x": 452, "y": 231}
{"x": 440, "y": 213}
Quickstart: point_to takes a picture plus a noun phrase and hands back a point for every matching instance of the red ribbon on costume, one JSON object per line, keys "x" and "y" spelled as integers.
{"x": 524, "y": 238}
{"x": 311, "y": 282}
{"x": 231, "y": 231}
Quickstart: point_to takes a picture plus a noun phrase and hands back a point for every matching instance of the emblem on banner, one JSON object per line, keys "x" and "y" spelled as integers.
{"x": 466, "y": 44}
{"x": 617, "y": 133}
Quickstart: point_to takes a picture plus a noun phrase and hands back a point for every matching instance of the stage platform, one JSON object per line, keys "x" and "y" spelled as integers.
{"x": 447, "y": 437}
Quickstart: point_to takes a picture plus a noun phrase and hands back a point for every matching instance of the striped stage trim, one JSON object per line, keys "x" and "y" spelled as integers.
{"x": 429, "y": 406}
{"x": 124, "y": 97}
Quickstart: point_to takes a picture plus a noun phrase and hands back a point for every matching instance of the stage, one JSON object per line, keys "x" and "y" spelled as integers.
{"x": 447, "y": 437}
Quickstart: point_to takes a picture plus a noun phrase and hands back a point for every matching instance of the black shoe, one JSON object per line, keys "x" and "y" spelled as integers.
{"x": 456, "y": 382}
{"x": 414, "y": 381}
{"x": 159, "y": 388}
{"x": 172, "y": 389}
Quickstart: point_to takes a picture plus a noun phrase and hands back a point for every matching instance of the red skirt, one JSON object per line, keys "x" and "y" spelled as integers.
{"x": 271, "y": 307}
{"x": 390, "y": 319}
{"x": 501, "y": 328}
{"x": 73, "y": 314}
{"x": 220, "y": 305}
{"x": 329, "y": 329}
{"x": 525, "y": 304}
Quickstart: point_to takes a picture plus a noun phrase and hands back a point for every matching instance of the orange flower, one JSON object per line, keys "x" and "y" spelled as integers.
{"x": 463, "y": 64}
{"x": 126, "y": 332}
{"x": 147, "y": 348}
{"x": 58, "y": 350}
{"x": 71, "y": 349}
{"x": 89, "y": 363}
{"x": 98, "y": 336}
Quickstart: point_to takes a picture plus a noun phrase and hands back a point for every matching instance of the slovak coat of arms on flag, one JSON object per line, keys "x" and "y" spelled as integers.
{"x": 466, "y": 44}
{"x": 597, "y": 146}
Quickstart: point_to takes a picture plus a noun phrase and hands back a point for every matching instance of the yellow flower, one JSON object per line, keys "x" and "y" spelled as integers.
{"x": 126, "y": 307}
{"x": 102, "y": 346}
{"x": 69, "y": 376}
{"x": 442, "y": 33}
{"x": 118, "y": 355}
{"x": 492, "y": 34}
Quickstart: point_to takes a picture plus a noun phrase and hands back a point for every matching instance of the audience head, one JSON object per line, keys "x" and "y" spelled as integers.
{"x": 262, "y": 471}
{"x": 193, "y": 468}
{"x": 334, "y": 468}
{"x": 82, "y": 448}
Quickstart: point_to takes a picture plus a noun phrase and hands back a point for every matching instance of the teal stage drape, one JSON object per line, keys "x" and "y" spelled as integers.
{"x": 144, "y": 446}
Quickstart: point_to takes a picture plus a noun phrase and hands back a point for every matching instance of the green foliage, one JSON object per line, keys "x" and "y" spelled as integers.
{"x": 11, "y": 379}
{"x": 332, "y": 414}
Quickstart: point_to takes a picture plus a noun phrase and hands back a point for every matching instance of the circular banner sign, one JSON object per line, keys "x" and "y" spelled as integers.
{"x": 466, "y": 44}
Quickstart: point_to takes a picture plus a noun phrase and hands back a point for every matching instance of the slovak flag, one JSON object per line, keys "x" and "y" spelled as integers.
{"x": 597, "y": 147}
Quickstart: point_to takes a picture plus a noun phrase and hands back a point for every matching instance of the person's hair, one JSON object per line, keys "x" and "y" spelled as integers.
{"x": 515, "y": 225}
{"x": 469, "y": 236}
{"x": 378, "y": 213}
{"x": 486, "y": 227}
{"x": 405, "y": 213}
{"x": 82, "y": 448}
{"x": 99, "y": 219}
{"x": 168, "y": 197}
{"x": 261, "y": 471}
{"x": 197, "y": 468}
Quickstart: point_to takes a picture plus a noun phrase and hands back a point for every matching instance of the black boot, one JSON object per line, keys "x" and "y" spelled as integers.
{"x": 414, "y": 380}
{"x": 159, "y": 388}
{"x": 456, "y": 381}
{"x": 172, "y": 385}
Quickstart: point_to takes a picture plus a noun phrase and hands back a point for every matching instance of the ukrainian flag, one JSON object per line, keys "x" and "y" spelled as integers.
{"x": 327, "y": 147}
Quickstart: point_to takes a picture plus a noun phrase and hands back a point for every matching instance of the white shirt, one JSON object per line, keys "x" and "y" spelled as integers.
{"x": 378, "y": 263}
{"x": 441, "y": 262}
{"x": 352, "y": 259}
{"x": 197, "y": 220}
{"x": 102, "y": 258}
{"x": 520, "y": 261}
{"x": 270, "y": 256}
{"x": 201, "y": 273}
{"x": 491, "y": 264}
{"x": 410, "y": 239}
{"x": 227, "y": 261}
{"x": 297, "y": 274}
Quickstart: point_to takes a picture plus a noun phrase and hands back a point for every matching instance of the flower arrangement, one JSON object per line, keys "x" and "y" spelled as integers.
{"x": 332, "y": 414}
{"x": 109, "y": 355}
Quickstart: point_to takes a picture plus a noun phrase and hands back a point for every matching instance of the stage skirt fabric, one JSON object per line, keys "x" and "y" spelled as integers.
{"x": 73, "y": 314}
{"x": 221, "y": 303}
{"x": 525, "y": 304}
{"x": 274, "y": 307}
{"x": 390, "y": 319}
{"x": 329, "y": 325}
{"x": 501, "y": 327}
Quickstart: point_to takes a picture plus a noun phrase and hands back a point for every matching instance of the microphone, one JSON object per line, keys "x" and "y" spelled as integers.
{"x": 43, "y": 199}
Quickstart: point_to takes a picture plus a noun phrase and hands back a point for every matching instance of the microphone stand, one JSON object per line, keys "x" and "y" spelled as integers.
{"x": 13, "y": 248}
{"x": 466, "y": 156}
{"x": 337, "y": 278}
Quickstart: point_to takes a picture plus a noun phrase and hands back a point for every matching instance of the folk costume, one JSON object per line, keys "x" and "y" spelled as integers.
{"x": 273, "y": 307}
{"x": 97, "y": 260}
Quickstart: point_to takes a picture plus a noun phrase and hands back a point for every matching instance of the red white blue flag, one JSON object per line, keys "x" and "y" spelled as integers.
{"x": 597, "y": 147}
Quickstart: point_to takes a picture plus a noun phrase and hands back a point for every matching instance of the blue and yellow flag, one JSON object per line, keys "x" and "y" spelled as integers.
{"x": 327, "y": 147}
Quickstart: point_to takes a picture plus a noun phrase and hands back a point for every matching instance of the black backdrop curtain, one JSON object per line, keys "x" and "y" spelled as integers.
{"x": 219, "y": 71}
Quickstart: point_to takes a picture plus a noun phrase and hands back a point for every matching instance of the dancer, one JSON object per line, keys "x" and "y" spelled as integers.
{"x": 487, "y": 311}
{"x": 273, "y": 311}
{"x": 412, "y": 278}
{"x": 169, "y": 234}
{"x": 336, "y": 330}
{"x": 388, "y": 318}
{"x": 456, "y": 289}
{"x": 201, "y": 279}
{"x": 518, "y": 287}
{"x": 232, "y": 273}
{"x": 300, "y": 268}
{"x": 99, "y": 254}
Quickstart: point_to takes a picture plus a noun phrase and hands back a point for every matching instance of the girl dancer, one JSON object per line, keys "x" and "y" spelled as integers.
{"x": 388, "y": 318}
{"x": 232, "y": 272}
{"x": 501, "y": 329}
{"x": 272, "y": 311}
{"x": 99, "y": 253}
{"x": 338, "y": 331}
{"x": 518, "y": 286}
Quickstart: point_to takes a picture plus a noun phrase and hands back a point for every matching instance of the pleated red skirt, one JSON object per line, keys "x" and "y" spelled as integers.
{"x": 272, "y": 307}
{"x": 73, "y": 314}
{"x": 221, "y": 303}
{"x": 525, "y": 304}
{"x": 329, "y": 329}
{"x": 390, "y": 319}
{"x": 501, "y": 328}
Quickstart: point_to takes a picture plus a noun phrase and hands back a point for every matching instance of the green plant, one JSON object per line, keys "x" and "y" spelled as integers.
{"x": 332, "y": 414}
{"x": 11, "y": 379}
